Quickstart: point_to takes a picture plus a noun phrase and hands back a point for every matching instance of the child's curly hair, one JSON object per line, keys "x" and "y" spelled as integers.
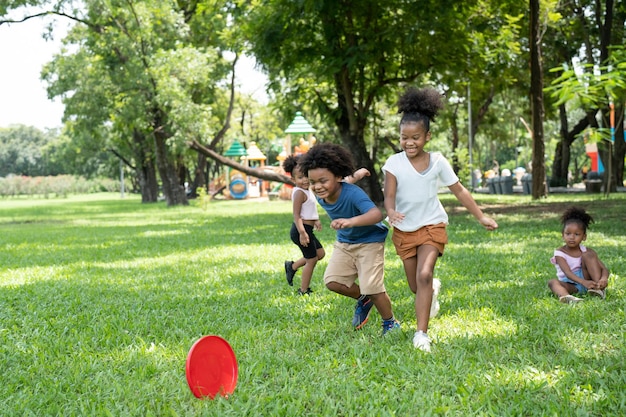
{"x": 420, "y": 105}
{"x": 289, "y": 164}
{"x": 331, "y": 156}
{"x": 576, "y": 215}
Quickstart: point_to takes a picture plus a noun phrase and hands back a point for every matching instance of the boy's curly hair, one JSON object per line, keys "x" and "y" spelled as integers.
{"x": 330, "y": 156}
{"x": 290, "y": 163}
{"x": 420, "y": 105}
{"x": 576, "y": 215}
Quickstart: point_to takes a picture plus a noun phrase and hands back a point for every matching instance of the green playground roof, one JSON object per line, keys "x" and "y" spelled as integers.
{"x": 236, "y": 149}
{"x": 300, "y": 125}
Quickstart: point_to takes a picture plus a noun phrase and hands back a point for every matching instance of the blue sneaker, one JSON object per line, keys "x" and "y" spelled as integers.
{"x": 390, "y": 325}
{"x": 362, "y": 312}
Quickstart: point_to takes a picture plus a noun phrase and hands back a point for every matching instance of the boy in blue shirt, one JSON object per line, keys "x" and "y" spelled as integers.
{"x": 359, "y": 252}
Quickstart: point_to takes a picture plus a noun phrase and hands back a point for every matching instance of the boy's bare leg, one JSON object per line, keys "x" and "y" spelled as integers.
{"x": 383, "y": 304}
{"x": 353, "y": 292}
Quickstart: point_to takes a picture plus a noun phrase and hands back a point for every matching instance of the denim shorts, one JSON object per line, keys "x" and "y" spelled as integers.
{"x": 580, "y": 287}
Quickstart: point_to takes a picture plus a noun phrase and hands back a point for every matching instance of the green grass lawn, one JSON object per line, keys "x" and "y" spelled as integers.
{"x": 101, "y": 299}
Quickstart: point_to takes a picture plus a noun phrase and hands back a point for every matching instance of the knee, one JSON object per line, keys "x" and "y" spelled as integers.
{"x": 425, "y": 278}
{"x": 552, "y": 283}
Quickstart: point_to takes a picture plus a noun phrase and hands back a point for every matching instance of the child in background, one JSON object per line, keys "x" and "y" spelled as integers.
{"x": 358, "y": 252}
{"x": 578, "y": 268}
{"x": 305, "y": 221}
{"x": 419, "y": 220}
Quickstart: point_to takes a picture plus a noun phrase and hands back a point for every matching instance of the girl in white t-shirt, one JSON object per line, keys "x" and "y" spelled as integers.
{"x": 578, "y": 268}
{"x": 412, "y": 178}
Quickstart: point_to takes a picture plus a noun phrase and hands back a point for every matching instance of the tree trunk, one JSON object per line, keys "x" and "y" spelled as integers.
{"x": 199, "y": 175}
{"x": 351, "y": 121}
{"x": 173, "y": 192}
{"x": 539, "y": 188}
{"x": 561, "y": 160}
{"x": 356, "y": 144}
{"x": 146, "y": 171}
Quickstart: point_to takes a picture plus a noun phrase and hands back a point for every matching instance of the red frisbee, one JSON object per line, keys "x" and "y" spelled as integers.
{"x": 211, "y": 367}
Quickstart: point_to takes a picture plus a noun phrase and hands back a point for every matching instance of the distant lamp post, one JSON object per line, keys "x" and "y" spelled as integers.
{"x": 121, "y": 179}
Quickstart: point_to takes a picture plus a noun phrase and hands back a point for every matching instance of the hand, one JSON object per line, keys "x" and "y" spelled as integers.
{"x": 361, "y": 173}
{"x": 602, "y": 283}
{"x": 589, "y": 284}
{"x": 304, "y": 239}
{"x": 341, "y": 224}
{"x": 395, "y": 217}
{"x": 490, "y": 224}
{"x": 317, "y": 225}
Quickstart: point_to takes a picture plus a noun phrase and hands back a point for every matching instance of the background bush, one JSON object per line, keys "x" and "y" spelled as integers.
{"x": 59, "y": 186}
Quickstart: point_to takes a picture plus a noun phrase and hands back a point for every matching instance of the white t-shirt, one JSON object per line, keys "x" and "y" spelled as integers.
{"x": 416, "y": 195}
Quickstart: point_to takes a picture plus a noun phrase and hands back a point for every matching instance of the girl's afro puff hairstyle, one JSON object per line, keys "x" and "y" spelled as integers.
{"x": 420, "y": 105}
{"x": 576, "y": 215}
{"x": 330, "y": 156}
{"x": 290, "y": 163}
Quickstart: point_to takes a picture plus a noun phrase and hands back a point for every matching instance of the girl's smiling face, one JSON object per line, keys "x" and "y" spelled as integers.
{"x": 413, "y": 138}
{"x": 300, "y": 179}
{"x": 325, "y": 184}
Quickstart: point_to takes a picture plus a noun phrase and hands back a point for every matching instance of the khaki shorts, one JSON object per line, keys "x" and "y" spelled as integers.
{"x": 406, "y": 243}
{"x": 364, "y": 261}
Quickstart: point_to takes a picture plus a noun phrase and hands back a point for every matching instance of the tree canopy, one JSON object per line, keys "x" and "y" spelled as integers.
{"x": 148, "y": 81}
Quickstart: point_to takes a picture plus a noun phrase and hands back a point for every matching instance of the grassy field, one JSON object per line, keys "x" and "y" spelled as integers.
{"x": 101, "y": 299}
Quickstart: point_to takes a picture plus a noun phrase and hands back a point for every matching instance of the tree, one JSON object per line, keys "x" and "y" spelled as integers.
{"x": 130, "y": 53}
{"x": 595, "y": 28}
{"x": 340, "y": 57}
{"x": 21, "y": 150}
{"x": 539, "y": 188}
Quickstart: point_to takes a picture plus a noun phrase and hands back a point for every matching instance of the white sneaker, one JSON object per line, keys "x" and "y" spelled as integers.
{"x": 421, "y": 341}
{"x": 434, "y": 305}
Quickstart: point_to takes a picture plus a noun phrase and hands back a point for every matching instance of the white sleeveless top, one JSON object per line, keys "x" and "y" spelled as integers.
{"x": 309, "y": 207}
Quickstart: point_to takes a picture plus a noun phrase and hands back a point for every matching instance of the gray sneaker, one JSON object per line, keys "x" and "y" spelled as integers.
{"x": 597, "y": 293}
{"x": 570, "y": 299}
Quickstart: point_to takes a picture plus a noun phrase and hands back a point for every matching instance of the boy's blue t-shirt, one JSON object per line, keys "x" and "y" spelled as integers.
{"x": 353, "y": 201}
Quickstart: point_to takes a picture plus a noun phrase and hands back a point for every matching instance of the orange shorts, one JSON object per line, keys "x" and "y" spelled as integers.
{"x": 406, "y": 243}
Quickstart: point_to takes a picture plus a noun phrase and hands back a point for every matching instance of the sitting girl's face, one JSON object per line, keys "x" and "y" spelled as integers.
{"x": 325, "y": 184}
{"x": 573, "y": 234}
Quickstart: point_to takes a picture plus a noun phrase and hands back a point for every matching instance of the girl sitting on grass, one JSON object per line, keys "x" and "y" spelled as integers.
{"x": 578, "y": 268}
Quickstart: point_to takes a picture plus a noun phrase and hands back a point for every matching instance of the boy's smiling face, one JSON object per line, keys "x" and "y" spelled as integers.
{"x": 325, "y": 184}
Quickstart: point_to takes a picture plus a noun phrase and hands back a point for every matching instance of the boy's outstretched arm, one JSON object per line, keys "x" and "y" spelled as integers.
{"x": 373, "y": 216}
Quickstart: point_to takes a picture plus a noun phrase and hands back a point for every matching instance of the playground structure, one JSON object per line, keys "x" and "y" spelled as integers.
{"x": 302, "y": 131}
{"x": 237, "y": 185}
{"x": 591, "y": 149}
